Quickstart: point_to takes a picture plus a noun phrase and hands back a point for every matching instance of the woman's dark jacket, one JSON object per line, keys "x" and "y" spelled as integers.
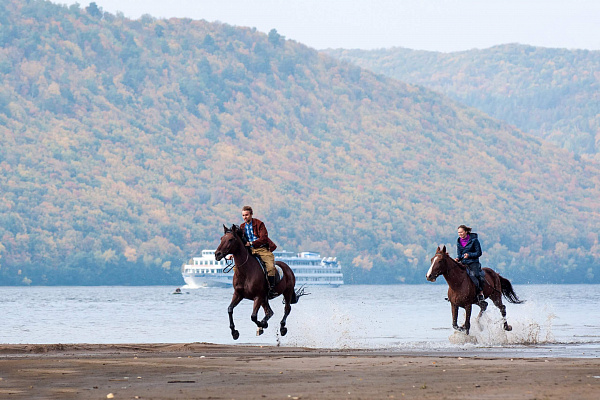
{"x": 473, "y": 248}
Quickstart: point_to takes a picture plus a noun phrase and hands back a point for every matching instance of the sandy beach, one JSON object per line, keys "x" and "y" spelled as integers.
{"x": 207, "y": 371}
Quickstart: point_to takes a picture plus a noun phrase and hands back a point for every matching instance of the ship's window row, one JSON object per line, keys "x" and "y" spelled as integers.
{"x": 203, "y": 271}
{"x": 208, "y": 262}
{"x": 302, "y": 271}
{"x": 321, "y": 279}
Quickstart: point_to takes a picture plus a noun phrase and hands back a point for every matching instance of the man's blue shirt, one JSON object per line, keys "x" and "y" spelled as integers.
{"x": 249, "y": 232}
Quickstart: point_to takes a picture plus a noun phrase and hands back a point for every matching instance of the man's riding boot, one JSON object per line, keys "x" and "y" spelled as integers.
{"x": 271, "y": 284}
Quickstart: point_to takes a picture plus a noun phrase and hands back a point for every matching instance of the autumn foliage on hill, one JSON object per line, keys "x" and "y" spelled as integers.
{"x": 126, "y": 145}
{"x": 551, "y": 93}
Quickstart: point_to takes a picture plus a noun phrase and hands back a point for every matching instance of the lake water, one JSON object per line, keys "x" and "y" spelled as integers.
{"x": 555, "y": 321}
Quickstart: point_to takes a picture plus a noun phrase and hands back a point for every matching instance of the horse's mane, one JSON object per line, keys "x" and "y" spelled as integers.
{"x": 444, "y": 253}
{"x": 240, "y": 234}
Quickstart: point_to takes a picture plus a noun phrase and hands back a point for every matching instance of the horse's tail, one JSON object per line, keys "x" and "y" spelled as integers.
{"x": 298, "y": 293}
{"x": 508, "y": 291}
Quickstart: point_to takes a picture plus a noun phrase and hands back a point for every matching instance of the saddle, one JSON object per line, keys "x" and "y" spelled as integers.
{"x": 478, "y": 281}
{"x": 278, "y": 275}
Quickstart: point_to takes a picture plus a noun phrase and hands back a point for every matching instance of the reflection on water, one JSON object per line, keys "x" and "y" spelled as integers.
{"x": 562, "y": 318}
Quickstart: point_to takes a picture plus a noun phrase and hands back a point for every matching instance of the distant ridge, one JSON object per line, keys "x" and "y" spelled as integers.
{"x": 551, "y": 93}
{"x": 125, "y": 145}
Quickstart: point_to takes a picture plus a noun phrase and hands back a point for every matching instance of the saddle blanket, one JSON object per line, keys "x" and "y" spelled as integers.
{"x": 279, "y": 272}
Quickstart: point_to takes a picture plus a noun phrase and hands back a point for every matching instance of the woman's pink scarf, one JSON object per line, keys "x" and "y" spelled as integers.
{"x": 463, "y": 242}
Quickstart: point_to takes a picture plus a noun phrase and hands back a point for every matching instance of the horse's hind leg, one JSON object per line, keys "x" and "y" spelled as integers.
{"x": 287, "y": 308}
{"x": 268, "y": 313}
{"x": 498, "y": 303}
{"x": 258, "y": 302}
{"x": 482, "y": 307}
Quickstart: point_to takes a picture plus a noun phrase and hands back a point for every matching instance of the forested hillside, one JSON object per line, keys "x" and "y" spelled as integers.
{"x": 551, "y": 93}
{"x": 125, "y": 145}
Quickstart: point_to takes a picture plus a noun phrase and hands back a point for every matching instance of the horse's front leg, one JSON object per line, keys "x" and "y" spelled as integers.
{"x": 467, "y": 325}
{"x": 482, "y": 307}
{"x": 455, "y": 317}
{"x": 234, "y": 302}
{"x": 497, "y": 299}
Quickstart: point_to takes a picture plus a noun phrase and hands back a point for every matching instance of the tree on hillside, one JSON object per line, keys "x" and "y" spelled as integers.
{"x": 275, "y": 38}
{"x": 94, "y": 10}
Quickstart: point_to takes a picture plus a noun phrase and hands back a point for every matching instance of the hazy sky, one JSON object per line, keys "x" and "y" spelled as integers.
{"x": 439, "y": 25}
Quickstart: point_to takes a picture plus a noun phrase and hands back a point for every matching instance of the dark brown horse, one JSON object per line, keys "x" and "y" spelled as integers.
{"x": 249, "y": 281}
{"x": 462, "y": 292}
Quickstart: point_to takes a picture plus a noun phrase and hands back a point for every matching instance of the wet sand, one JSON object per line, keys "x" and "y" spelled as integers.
{"x": 207, "y": 371}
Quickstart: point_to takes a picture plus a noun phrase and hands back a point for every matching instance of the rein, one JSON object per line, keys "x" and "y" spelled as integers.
{"x": 231, "y": 263}
{"x": 459, "y": 264}
{"x": 464, "y": 268}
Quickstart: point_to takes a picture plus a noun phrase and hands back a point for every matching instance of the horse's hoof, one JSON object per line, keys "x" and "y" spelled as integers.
{"x": 259, "y": 331}
{"x": 283, "y": 330}
{"x": 235, "y": 335}
{"x": 508, "y": 328}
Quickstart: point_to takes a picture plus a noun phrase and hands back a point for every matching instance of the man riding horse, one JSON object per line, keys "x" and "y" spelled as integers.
{"x": 259, "y": 243}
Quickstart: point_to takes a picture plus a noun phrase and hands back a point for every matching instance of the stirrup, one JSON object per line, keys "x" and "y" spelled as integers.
{"x": 272, "y": 294}
{"x": 480, "y": 297}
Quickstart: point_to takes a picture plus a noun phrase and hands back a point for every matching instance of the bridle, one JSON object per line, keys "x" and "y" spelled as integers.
{"x": 230, "y": 264}
{"x": 441, "y": 255}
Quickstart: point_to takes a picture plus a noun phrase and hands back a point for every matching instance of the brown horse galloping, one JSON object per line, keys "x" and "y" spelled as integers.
{"x": 249, "y": 282}
{"x": 462, "y": 292}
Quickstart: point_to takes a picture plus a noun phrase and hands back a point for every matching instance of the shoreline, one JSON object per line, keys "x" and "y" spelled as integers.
{"x": 204, "y": 370}
{"x": 525, "y": 351}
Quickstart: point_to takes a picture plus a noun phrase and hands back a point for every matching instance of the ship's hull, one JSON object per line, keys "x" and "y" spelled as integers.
{"x": 193, "y": 281}
{"x": 225, "y": 280}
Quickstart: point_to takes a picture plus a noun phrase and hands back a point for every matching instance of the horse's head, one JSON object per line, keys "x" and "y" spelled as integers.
{"x": 438, "y": 264}
{"x": 229, "y": 242}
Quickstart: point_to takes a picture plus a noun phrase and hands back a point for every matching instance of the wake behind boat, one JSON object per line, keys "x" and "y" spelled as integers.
{"x": 310, "y": 269}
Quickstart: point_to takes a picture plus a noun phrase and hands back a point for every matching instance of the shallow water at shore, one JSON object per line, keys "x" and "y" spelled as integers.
{"x": 556, "y": 320}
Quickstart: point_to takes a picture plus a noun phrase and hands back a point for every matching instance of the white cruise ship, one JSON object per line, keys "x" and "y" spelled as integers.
{"x": 309, "y": 269}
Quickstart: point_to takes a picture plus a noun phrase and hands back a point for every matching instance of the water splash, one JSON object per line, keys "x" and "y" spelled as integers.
{"x": 531, "y": 325}
{"x": 462, "y": 338}
{"x": 329, "y": 327}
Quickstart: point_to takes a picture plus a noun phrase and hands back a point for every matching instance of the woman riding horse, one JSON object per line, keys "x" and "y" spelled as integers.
{"x": 461, "y": 290}
{"x": 468, "y": 251}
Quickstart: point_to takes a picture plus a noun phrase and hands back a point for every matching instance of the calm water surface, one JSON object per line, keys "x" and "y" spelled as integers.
{"x": 556, "y": 320}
